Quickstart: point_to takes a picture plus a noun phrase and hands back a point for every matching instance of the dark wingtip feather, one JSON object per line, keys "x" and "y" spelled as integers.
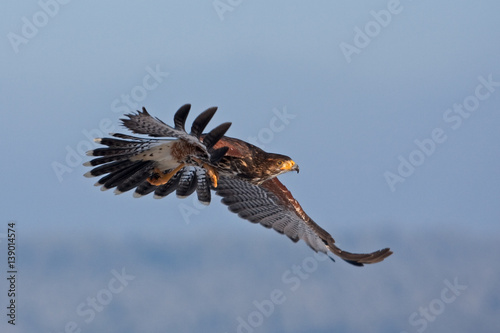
{"x": 110, "y": 168}
{"x": 331, "y": 258}
{"x": 144, "y": 188}
{"x": 201, "y": 121}
{"x": 215, "y": 135}
{"x": 181, "y": 116}
{"x": 117, "y": 177}
{"x": 218, "y": 154}
{"x": 135, "y": 178}
{"x": 359, "y": 259}
{"x": 354, "y": 263}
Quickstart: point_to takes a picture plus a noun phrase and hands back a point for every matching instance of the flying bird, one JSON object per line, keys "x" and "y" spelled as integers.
{"x": 245, "y": 176}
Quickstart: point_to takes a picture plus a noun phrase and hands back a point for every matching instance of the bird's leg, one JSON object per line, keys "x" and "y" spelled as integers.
{"x": 211, "y": 171}
{"x": 159, "y": 178}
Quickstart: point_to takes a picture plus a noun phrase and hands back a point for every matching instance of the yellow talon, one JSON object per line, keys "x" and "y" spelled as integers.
{"x": 212, "y": 173}
{"x": 159, "y": 178}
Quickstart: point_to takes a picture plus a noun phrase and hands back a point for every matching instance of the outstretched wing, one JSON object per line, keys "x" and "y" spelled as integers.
{"x": 272, "y": 205}
{"x": 128, "y": 162}
{"x": 143, "y": 123}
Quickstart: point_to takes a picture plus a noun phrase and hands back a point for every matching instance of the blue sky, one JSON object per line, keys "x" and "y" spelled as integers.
{"x": 396, "y": 138}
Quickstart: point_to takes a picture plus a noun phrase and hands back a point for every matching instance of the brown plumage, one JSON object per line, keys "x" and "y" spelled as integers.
{"x": 241, "y": 173}
{"x": 248, "y": 162}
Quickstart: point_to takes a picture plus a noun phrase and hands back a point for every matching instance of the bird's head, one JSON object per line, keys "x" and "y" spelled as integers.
{"x": 278, "y": 164}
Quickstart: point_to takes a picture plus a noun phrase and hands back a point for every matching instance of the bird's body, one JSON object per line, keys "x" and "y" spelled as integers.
{"x": 249, "y": 162}
{"x": 241, "y": 173}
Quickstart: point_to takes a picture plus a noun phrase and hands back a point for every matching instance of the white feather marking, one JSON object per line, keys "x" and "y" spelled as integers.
{"x": 137, "y": 195}
{"x": 88, "y": 174}
{"x": 161, "y": 153}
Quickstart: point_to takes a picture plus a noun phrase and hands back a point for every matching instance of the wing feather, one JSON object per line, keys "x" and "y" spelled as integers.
{"x": 181, "y": 116}
{"x": 273, "y": 206}
{"x": 135, "y": 179}
{"x": 203, "y": 187}
{"x": 187, "y": 183}
{"x": 143, "y": 123}
{"x": 202, "y": 121}
{"x": 144, "y": 188}
{"x": 165, "y": 189}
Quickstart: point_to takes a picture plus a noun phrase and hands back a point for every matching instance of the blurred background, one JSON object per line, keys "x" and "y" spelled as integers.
{"x": 391, "y": 109}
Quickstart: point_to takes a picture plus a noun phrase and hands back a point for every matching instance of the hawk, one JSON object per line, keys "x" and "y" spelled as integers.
{"x": 245, "y": 176}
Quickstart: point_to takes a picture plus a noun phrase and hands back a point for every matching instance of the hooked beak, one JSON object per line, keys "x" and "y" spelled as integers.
{"x": 290, "y": 166}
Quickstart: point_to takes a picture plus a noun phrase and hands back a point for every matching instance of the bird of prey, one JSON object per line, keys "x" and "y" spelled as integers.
{"x": 245, "y": 176}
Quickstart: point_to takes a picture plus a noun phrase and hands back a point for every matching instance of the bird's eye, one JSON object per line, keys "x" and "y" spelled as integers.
{"x": 280, "y": 162}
